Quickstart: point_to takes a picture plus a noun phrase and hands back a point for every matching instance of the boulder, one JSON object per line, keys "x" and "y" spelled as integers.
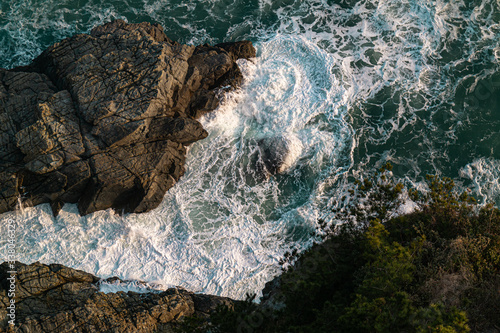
{"x": 276, "y": 154}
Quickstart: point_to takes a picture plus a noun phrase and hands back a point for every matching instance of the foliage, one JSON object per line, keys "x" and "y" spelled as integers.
{"x": 224, "y": 319}
{"x": 434, "y": 270}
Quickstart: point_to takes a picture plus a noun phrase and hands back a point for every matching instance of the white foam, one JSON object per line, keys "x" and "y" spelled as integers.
{"x": 221, "y": 229}
{"x": 126, "y": 286}
{"x": 28, "y": 27}
{"x": 484, "y": 175}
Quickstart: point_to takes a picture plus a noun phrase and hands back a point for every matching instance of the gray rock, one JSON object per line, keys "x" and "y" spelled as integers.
{"x": 103, "y": 119}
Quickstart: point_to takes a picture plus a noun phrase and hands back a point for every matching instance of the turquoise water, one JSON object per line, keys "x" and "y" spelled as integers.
{"x": 350, "y": 84}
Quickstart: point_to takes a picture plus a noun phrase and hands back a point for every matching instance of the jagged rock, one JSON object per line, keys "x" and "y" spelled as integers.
{"x": 239, "y": 50}
{"x": 103, "y": 119}
{"x": 55, "y": 298}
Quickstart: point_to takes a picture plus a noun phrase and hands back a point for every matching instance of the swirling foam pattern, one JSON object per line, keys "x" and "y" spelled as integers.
{"x": 346, "y": 84}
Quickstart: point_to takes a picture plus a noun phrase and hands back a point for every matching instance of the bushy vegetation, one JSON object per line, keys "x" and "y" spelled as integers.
{"x": 436, "y": 269}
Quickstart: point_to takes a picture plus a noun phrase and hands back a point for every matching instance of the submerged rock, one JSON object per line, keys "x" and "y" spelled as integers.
{"x": 103, "y": 119}
{"x": 277, "y": 154}
{"x": 55, "y": 298}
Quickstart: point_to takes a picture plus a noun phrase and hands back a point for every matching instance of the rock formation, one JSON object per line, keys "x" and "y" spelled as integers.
{"x": 55, "y": 298}
{"x": 104, "y": 119}
{"x": 276, "y": 154}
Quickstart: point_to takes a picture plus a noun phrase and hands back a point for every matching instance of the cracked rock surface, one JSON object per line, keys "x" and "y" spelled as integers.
{"x": 55, "y": 298}
{"x": 103, "y": 119}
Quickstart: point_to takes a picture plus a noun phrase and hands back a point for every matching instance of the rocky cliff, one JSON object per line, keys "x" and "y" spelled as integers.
{"x": 103, "y": 119}
{"x": 55, "y": 298}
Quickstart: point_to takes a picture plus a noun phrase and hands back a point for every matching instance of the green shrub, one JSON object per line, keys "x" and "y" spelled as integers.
{"x": 434, "y": 270}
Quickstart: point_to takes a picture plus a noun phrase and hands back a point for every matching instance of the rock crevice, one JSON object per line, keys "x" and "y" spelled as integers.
{"x": 103, "y": 119}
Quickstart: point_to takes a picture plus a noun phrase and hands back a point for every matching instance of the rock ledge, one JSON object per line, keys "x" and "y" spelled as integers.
{"x": 103, "y": 119}
{"x": 55, "y": 298}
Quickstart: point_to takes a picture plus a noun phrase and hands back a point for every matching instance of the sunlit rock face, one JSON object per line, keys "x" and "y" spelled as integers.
{"x": 104, "y": 119}
{"x": 56, "y": 298}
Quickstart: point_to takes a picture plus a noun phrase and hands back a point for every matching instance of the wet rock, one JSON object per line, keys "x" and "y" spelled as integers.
{"x": 277, "y": 154}
{"x": 103, "y": 119}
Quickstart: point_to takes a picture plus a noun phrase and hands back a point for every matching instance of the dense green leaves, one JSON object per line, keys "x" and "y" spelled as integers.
{"x": 434, "y": 270}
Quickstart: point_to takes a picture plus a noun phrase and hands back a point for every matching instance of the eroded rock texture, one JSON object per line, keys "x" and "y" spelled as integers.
{"x": 103, "y": 119}
{"x": 55, "y": 298}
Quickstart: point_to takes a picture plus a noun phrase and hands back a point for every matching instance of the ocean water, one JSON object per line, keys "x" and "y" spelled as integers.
{"x": 348, "y": 85}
